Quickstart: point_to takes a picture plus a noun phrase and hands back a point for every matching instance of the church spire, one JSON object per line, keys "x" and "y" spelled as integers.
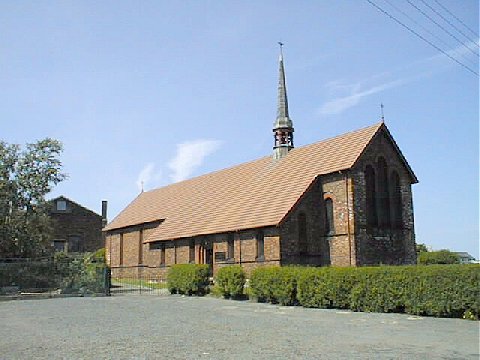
{"x": 283, "y": 125}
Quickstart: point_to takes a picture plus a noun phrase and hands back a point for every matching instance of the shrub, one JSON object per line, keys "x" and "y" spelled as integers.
{"x": 326, "y": 287}
{"x": 230, "y": 281}
{"x": 274, "y": 284}
{"x": 437, "y": 290}
{"x": 188, "y": 279}
{"x": 438, "y": 257}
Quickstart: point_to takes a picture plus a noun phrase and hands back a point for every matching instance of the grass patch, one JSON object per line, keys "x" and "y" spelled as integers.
{"x": 140, "y": 282}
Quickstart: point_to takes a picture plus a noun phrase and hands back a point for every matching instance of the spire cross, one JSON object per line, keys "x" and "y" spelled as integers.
{"x": 381, "y": 110}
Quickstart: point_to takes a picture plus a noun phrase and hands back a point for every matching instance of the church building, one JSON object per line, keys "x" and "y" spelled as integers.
{"x": 344, "y": 201}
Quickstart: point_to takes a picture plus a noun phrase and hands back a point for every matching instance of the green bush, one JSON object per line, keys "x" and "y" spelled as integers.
{"x": 230, "y": 281}
{"x": 81, "y": 274}
{"x": 438, "y": 257}
{"x": 326, "y": 287}
{"x": 188, "y": 279}
{"x": 274, "y": 284}
{"x": 437, "y": 290}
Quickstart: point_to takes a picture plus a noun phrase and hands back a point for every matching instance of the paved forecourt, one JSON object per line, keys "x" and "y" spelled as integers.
{"x": 176, "y": 327}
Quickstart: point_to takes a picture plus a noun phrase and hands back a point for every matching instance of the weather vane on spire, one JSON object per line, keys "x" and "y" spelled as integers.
{"x": 281, "y": 48}
{"x": 381, "y": 110}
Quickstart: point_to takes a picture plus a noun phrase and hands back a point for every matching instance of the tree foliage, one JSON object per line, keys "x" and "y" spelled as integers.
{"x": 26, "y": 176}
{"x": 421, "y": 248}
{"x": 438, "y": 257}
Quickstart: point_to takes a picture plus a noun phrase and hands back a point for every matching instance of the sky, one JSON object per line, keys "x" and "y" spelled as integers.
{"x": 147, "y": 93}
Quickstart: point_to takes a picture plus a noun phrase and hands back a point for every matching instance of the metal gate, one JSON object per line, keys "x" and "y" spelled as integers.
{"x": 134, "y": 281}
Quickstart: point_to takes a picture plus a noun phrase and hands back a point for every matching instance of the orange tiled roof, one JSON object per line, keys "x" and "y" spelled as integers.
{"x": 253, "y": 194}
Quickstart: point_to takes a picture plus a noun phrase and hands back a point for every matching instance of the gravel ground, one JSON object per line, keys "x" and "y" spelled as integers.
{"x": 175, "y": 327}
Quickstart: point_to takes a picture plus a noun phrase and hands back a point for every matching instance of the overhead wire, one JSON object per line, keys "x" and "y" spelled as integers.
{"x": 438, "y": 38}
{"x": 421, "y": 37}
{"x": 440, "y": 26}
{"x": 460, "y": 21}
{"x": 448, "y": 22}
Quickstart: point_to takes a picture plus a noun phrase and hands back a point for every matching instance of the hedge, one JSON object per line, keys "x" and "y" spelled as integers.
{"x": 274, "y": 284}
{"x": 230, "y": 281}
{"x": 436, "y": 290}
{"x": 188, "y": 279}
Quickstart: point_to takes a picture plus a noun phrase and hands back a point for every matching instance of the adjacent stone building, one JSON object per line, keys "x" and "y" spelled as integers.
{"x": 76, "y": 228}
{"x": 344, "y": 201}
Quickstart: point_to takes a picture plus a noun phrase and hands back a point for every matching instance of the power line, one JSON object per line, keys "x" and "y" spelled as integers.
{"x": 447, "y": 21}
{"x": 440, "y": 26}
{"x": 421, "y": 37}
{"x": 426, "y": 29}
{"x": 460, "y": 21}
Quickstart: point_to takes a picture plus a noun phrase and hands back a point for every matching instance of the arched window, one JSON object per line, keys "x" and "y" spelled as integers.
{"x": 371, "y": 208}
{"x": 329, "y": 217}
{"x": 302, "y": 233}
{"x": 396, "y": 200}
{"x": 383, "y": 208}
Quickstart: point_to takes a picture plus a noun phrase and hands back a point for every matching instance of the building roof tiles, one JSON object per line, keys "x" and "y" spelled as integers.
{"x": 250, "y": 195}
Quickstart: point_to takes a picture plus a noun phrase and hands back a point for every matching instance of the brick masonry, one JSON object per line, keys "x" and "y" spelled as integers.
{"x": 350, "y": 243}
{"x": 76, "y": 221}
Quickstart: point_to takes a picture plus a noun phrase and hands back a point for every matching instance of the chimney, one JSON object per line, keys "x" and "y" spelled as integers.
{"x": 104, "y": 213}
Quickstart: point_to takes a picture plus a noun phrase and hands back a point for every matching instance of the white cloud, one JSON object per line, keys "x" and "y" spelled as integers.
{"x": 190, "y": 155}
{"x": 146, "y": 175}
{"x": 340, "y": 104}
{"x": 351, "y": 94}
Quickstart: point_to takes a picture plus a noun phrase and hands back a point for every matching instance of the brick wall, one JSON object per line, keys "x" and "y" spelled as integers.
{"x": 333, "y": 248}
{"x": 122, "y": 251}
{"x": 383, "y": 245}
{"x": 79, "y": 222}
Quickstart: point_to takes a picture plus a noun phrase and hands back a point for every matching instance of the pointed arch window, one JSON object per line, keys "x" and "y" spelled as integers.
{"x": 383, "y": 194}
{"x": 329, "y": 217}
{"x": 302, "y": 233}
{"x": 371, "y": 197}
{"x": 396, "y": 201}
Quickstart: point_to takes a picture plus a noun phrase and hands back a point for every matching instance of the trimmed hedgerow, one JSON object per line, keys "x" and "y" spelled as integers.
{"x": 437, "y": 290}
{"x": 274, "y": 284}
{"x": 230, "y": 281}
{"x": 188, "y": 279}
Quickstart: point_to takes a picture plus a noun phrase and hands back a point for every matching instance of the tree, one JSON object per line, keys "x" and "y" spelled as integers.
{"x": 421, "y": 248}
{"x": 438, "y": 257}
{"x": 26, "y": 176}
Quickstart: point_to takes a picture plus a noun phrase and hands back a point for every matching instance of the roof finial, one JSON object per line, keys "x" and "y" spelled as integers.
{"x": 281, "y": 49}
{"x": 142, "y": 185}
{"x": 381, "y": 110}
